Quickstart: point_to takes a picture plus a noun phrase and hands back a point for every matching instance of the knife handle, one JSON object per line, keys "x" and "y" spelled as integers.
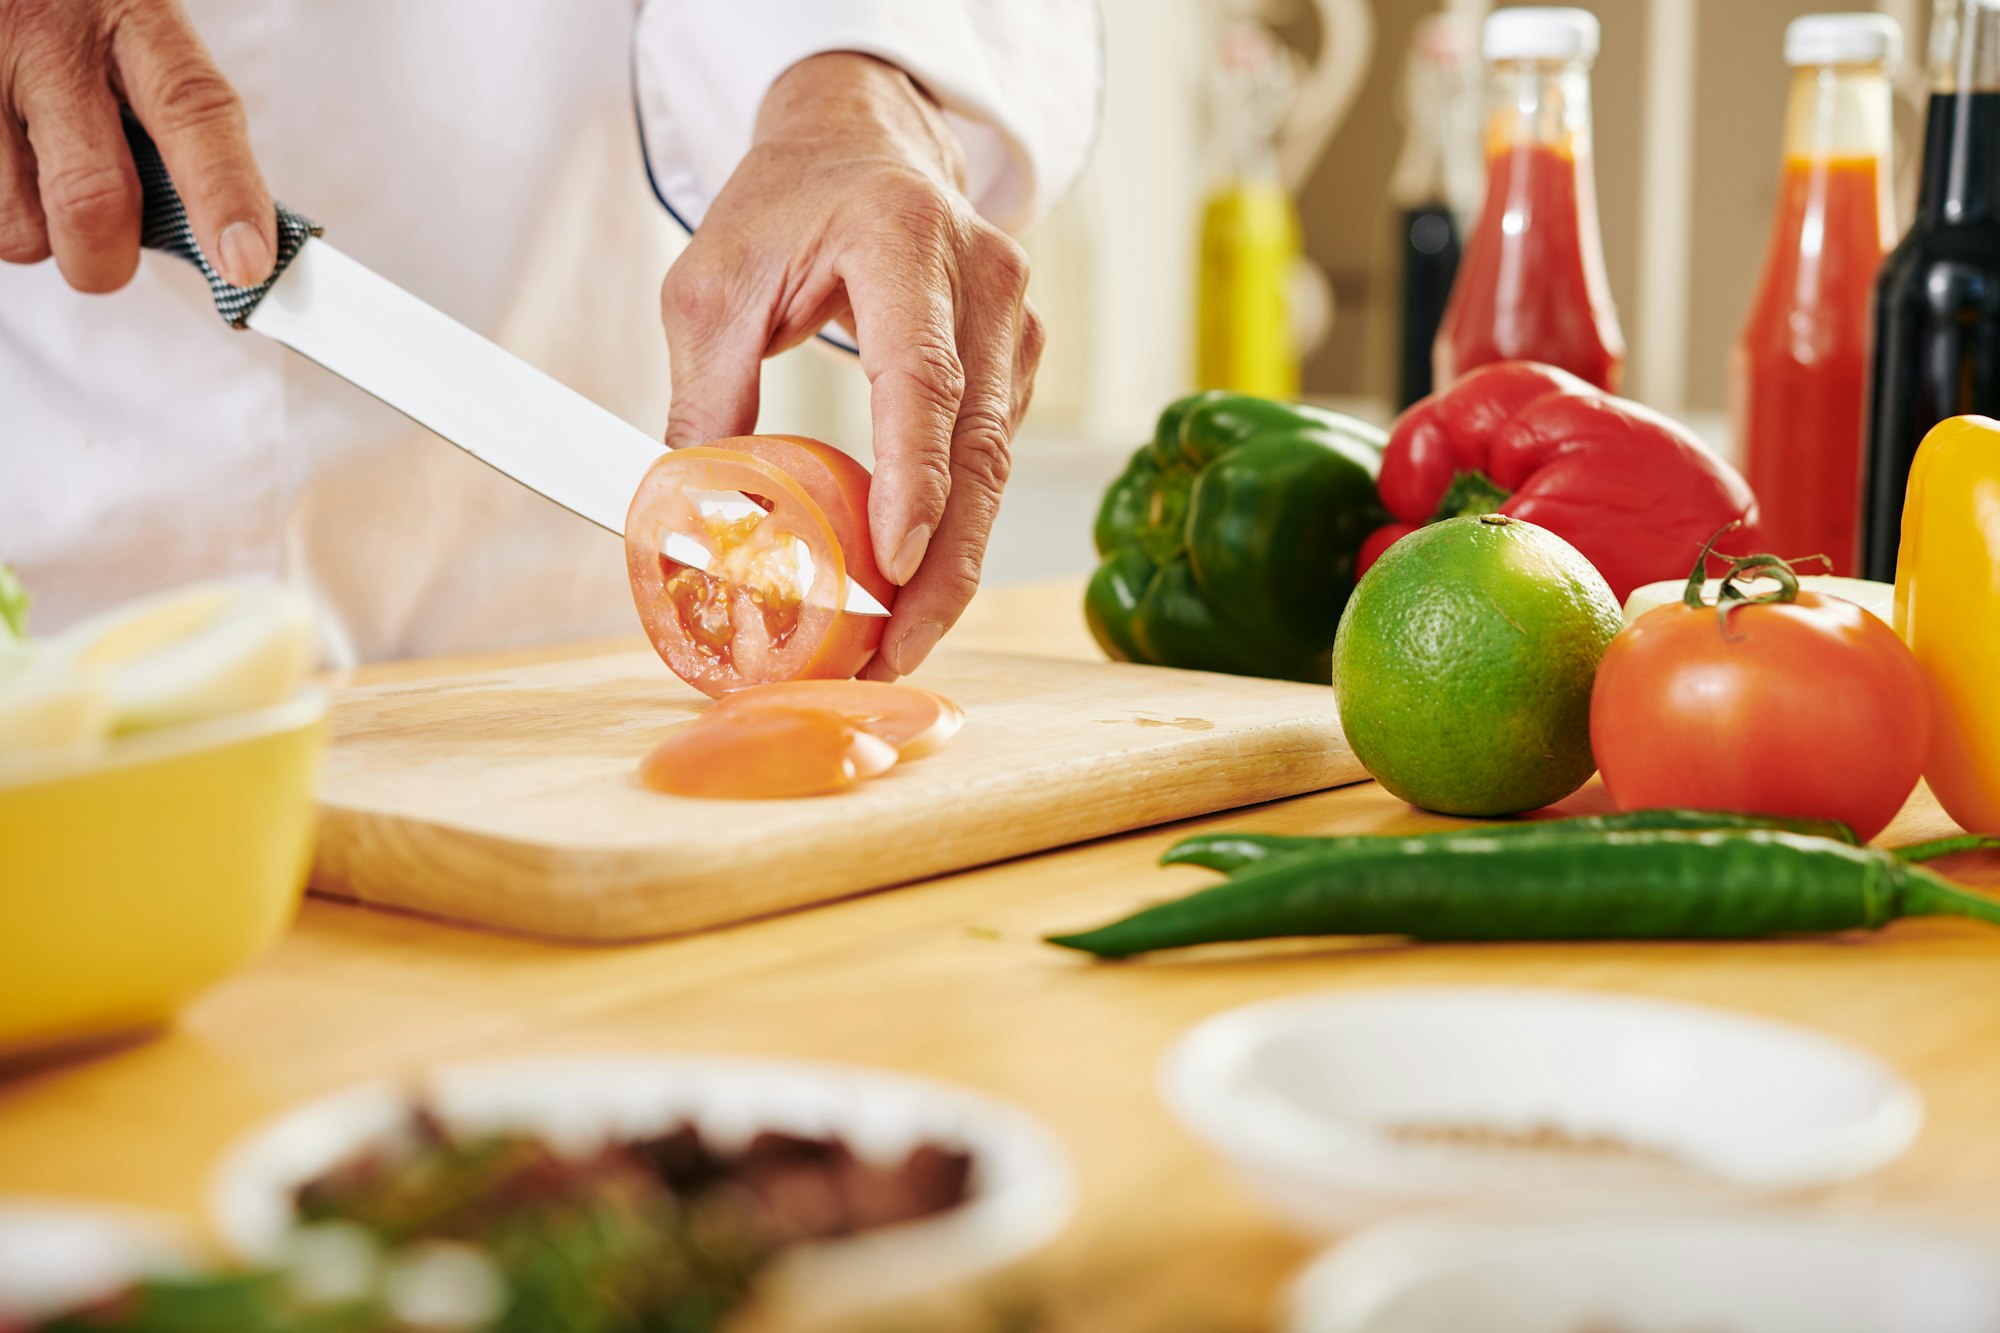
{"x": 165, "y": 227}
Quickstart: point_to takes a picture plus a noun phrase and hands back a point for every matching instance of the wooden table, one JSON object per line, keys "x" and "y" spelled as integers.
{"x": 947, "y": 978}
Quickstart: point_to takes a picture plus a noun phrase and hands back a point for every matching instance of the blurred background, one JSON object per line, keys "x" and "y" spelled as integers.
{"x": 1325, "y": 97}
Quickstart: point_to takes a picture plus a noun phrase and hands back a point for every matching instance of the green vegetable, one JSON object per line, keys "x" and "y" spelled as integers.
{"x": 1229, "y": 542}
{"x": 1654, "y": 884}
{"x": 13, "y": 605}
{"x": 1936, "y": 847}
{"x": 239, "y": 1302}
{"x": 1232, "y": 851}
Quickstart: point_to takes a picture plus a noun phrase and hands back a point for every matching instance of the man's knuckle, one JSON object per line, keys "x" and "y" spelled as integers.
{"x": 958, "y": 581}
{"x": 694, "y": 297}
{"x": 981, "y": 445}
{"x": 197, "y": 97}
{"x": 22, "y": 241}
{"x": 1034, "y": 339}
{"x": 1006, "y": 263}
{"x": 929, "y": 472}
{"x": 915, "y": 206}
{"x": 94, "y": 200}
{"x": 936, "y": 371}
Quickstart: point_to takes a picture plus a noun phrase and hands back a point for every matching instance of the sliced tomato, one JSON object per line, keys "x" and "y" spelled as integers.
{"x": 913, "y": 720}
{"x": 767, "y": 609}
{"x": 765, "y": 754}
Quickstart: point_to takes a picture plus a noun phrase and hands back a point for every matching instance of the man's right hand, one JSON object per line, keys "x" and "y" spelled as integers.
{"x": 67, "y": 186}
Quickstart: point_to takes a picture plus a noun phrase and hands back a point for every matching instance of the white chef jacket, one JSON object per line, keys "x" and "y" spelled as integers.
{"x": 484, "y": 154}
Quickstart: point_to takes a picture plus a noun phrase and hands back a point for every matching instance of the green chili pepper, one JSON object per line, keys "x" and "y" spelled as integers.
{"x": 1655, "y": 884}
{"x": 1936, "y": 847}
{"x": 1232, "y": 851}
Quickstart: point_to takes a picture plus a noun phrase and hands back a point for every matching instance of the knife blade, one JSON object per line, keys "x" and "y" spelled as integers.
{"x": 498, "y": 408}
{"x": 469, "y": 391}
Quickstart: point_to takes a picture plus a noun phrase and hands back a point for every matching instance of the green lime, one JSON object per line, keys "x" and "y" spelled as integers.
{"x": 1464, "y": 661}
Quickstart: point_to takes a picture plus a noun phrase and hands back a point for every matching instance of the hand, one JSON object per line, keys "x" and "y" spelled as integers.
{"x": 849, "y": 208}
{"x": 67, "y": 186}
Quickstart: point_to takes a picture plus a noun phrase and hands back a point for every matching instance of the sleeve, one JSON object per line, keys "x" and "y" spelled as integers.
{"x": 1020, "y": 82}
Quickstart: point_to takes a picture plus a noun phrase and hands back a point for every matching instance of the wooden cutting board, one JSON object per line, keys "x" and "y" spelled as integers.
{"x": 509, "y": 798}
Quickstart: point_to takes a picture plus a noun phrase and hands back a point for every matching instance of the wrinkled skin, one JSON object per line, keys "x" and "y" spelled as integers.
{"x": 67, "y": 184}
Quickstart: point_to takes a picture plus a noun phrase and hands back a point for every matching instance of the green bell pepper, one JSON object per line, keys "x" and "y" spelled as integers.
{"x": 1229, "y": 542}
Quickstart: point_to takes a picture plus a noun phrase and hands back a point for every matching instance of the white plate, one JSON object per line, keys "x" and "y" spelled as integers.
{"x": 1312, "y": 1100}
{"x": 57, "y": 1255}
{"x": 1767, "y": 1274}
{"x": 1021, "y": 1186}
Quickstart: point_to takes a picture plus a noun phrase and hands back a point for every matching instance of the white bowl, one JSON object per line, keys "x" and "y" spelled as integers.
{"x": 56, "y": 1256}
{"x": 1021, "y": 1188}
{"x": 1330, "y": 1107}
{"x": 1769, "y": 1274}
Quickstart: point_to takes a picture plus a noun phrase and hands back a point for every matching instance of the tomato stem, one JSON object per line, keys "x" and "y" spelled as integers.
{"x": 1729, "y": 597}
{"x": 1698, "y": 580}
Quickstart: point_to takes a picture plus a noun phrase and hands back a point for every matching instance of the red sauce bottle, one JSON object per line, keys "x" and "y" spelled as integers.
{"x": 1532, "y": 284}
{"x": 1799, "y": 374}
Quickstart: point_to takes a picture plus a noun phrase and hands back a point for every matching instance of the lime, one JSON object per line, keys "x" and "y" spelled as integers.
{"x": 1464, "y": 662}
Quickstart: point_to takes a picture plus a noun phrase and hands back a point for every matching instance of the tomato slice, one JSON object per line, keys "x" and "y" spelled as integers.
{"x": 767, "y": 609}
{"x": 914, "y": 720}
{"x": 765, "y": 754}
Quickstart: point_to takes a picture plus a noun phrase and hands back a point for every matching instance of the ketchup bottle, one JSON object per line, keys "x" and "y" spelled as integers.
{"x": 1532, "y": 284}
{"x": 1799, "y": 375}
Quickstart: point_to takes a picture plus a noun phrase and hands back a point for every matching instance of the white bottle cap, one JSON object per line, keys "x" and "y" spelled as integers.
{"x": 1541, "y": 34}
{"x": 1843, "y": 39}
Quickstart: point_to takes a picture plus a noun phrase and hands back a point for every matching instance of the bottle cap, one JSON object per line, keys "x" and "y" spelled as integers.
{"x": 1843, "y": 39}
{"x": 1541, "y": 34}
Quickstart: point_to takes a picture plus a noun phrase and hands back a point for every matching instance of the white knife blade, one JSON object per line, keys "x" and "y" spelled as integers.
{"x": 498, "y": 408}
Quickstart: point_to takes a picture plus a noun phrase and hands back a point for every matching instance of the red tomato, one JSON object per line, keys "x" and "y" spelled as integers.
{"x": 1812, "y": 708}
{"x": 766, "y": 609}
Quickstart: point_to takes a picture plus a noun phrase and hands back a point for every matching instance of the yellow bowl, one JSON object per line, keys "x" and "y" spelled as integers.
{"x": 133, "y": 878}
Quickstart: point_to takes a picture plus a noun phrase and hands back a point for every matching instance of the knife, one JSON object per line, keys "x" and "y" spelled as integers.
{"x": 373, "y": 334}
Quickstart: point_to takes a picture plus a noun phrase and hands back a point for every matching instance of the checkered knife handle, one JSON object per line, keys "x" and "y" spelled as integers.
{"x": 166, "y": 228}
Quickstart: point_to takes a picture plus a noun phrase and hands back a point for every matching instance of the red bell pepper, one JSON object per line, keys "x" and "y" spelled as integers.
{"x": 1636, "y": 493}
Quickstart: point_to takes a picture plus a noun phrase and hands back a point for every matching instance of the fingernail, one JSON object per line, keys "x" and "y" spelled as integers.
{"x": 246, "y": 257}
{"x": 910, "y": 554}
{"x": 916, "y": 645}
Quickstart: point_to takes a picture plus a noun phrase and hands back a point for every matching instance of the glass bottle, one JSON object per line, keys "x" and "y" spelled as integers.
{"x": 1435, "y": 180}
{"x": 1799, "y": 371}
{"x": 1532, "y": 284}
{"x": 1250, "y": 236}
{"x": 1937, "y": 302}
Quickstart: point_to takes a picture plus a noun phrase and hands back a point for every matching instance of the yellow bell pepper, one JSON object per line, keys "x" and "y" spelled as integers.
{"x": 1948, "y": 610}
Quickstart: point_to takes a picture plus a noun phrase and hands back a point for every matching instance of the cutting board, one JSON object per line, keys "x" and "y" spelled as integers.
{"x": 509, "y": 798}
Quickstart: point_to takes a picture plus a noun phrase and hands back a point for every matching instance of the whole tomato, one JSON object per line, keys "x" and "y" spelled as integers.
{"x": 1799, "y": 705}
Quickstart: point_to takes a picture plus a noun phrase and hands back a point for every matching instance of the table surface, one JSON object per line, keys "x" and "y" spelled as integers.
{"x": 947, "y": 978}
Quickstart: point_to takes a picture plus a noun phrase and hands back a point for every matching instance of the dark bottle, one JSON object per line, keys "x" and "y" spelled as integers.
{"x": 1429, "y": 236}
{"x": 1436, "y": 178}
{"x": 1937, "y": 302}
